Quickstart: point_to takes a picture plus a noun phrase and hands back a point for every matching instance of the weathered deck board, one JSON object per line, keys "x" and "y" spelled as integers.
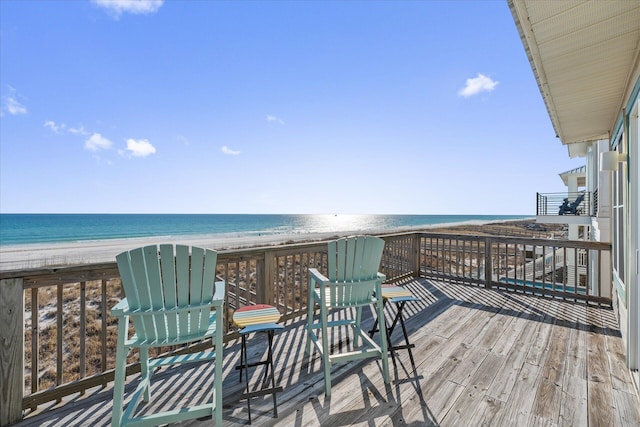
{"x": 573, "y": 406}
{"x": 546, "y": 406}
{"x": 482, "y": 357}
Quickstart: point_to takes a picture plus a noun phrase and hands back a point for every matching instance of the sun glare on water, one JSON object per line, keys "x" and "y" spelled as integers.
{"x": 340, "y": 222}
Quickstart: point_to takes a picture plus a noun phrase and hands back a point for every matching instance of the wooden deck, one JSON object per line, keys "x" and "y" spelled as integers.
{"x": 483, "y": 357}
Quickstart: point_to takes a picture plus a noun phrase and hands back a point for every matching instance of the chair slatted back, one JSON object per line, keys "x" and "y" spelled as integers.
{"x": 573, "y": 206}
{"x": 353, "y": 264}
{"x": 157, "y": 280}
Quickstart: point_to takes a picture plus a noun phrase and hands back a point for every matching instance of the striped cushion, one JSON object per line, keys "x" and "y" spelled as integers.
{"x": 397, "y": 293}
{"x": 255, "y": 315}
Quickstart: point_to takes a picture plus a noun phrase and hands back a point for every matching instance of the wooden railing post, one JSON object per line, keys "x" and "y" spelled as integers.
{"x": 11, "y": 350}
{"x": 416, "y": 255}
{"x": 269, "y": 273}
{"x": 261, "y": 295}
{"x": 488, "y": 263}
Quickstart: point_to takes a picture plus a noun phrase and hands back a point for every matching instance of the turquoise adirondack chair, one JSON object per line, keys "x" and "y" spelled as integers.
{"x": 353, "y": 282}
{"x": 173, "y": 299}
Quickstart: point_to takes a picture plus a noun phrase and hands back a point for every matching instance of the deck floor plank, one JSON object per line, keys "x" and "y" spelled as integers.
{"x": 508, "y": 374}
{"x": 518, "y": 408}
{"x": 483, "y": 357}
{"x": 549, "y": 393}
{"x": 573, "y": 404}
{"x": 475, "y": 407}
{"x": 539, "y": 348}
{"x": 599, "y": 386}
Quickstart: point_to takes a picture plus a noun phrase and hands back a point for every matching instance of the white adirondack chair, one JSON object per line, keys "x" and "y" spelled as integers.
{"x": 170, "y": 294}
{"x": 353, "y": 281}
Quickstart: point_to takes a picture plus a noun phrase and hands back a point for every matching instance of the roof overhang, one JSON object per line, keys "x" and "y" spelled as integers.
{"x": 585, "y": 58}
{"x": 579, "y": 173}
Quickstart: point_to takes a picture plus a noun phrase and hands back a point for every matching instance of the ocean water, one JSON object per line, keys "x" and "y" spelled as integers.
{"x": 16, "y": 229}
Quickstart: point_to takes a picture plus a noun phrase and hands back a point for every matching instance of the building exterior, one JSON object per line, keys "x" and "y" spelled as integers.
{"x": 585, "y": 56}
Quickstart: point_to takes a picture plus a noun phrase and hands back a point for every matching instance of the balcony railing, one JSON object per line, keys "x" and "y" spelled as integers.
{"x": 581, "y": 203}
{"x": 59, "y": 337}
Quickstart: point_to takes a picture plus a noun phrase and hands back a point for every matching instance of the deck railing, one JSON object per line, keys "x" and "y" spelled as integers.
{"x": 58, "y": 336}
{"x": 571, "y": 270}
{"x": 553, "y": 203}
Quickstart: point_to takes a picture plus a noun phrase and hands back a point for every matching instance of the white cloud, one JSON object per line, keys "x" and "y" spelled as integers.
{"x": 140, "y": 147}
{"x": 274, "y": 119}
{"x": 136, "y": 7}
{"x": 11, "y": 103}
{"x": 227, "y": 150}
{"x": 477, "y": 85}
{"x": 97, "y": 142}
{"x": 53, "y": 126}
{"x": 14, "y": 107}
{"x": 78, "y": 131}
{"x": 61, "y": 127}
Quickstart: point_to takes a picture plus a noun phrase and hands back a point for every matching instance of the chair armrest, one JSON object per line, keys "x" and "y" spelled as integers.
{"x": 317, "y": 276}
{"x": 218, "y": 295}
{"x": 120, "y": 308}
{"x": 320, "y": 278}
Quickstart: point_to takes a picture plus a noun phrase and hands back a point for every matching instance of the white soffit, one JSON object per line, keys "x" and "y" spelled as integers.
{"x": 582, "y": 54}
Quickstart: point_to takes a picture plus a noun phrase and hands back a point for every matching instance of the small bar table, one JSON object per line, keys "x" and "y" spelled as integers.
{"x": 257, "y": 318}
{"x": 399, "y": 296}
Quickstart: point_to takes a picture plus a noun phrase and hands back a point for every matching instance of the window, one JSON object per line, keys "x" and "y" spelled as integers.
{"x": 618, "y": 219}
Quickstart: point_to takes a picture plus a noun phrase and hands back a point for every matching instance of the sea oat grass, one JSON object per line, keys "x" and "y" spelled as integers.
{"x": 47, "y": 342}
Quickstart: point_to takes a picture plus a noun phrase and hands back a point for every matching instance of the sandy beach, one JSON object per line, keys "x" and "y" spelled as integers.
{"x": 15, "y": 257}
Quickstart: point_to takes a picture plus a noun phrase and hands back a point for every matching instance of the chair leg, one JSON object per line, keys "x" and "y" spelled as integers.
{"x": 146, "y": 374}
{"x": 357, "y": 330}
{"x": 120, "y": 375}
{"x": 326, "y": 360}
{"x": 310, "y": 310}
{"x": 383, "y": 341}
{"x": 217, "y": 371}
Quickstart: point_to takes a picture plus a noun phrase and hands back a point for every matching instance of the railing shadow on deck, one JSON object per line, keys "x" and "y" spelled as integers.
{"x": 520, "y": 307}
{"x": 301, "y": 375}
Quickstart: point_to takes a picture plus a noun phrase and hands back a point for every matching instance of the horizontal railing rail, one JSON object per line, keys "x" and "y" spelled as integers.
{"x": 579, "y": 203}
{"x": 568, "y": 269}
{"x": 60, "y": 338}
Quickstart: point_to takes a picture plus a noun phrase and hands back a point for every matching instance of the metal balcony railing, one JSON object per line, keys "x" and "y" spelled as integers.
{"x": 579, "y": 203}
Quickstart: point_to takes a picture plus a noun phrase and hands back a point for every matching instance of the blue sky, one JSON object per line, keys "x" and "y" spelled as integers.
{"x": 419, "y": 107}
